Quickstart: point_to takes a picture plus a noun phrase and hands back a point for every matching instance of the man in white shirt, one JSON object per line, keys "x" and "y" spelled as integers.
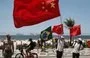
{"x": 60, "y": 47}
{"x": 77, "y": 48}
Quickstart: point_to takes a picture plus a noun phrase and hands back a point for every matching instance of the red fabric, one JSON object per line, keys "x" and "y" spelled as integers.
{"x": 58, "y": 29}
{"x": 30, "y": 12}
{"x": 88, "y": 44}
{"x": 75, "y": 30}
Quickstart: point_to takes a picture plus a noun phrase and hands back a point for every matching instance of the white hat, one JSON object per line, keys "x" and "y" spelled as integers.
{"x": 62, "y": 36}
{"x": 80, "y": 39}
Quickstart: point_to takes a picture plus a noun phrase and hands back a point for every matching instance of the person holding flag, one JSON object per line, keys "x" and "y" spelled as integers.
{"x": 60, "y": 47}
{"x": 77, "y": 47}
{"x": 45, "y": 35}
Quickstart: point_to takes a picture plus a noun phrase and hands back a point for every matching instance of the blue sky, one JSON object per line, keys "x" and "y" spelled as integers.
{"x": 79, "y": 10}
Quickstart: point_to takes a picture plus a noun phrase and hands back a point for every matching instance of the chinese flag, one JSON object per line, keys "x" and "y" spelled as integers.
{"x": 75, "y": 30}
{"x": 30, "y": 12}
{"x": 58, "y": 29}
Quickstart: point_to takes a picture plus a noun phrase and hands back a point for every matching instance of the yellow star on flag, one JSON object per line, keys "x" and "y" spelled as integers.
{"x": 52, "y": 5}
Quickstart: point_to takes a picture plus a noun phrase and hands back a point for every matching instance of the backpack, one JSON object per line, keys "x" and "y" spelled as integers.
{"x": 34, "y": 44}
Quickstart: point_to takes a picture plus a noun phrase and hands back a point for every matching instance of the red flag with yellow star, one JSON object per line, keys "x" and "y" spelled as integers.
{"x": 30, "y": 12}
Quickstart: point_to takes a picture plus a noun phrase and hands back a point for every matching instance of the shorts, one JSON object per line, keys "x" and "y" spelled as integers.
{"x": 7, "y": 53}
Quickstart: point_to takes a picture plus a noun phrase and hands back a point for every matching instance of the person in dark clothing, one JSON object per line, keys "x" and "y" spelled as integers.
{"x": 31, "y": 46}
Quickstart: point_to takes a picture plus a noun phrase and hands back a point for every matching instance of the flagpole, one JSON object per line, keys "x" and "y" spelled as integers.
{"x": 61, "y": 19}
{"x": 60, "y": 14}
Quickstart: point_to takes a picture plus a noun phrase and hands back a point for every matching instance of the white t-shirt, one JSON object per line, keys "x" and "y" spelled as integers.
{"x": 60, "y": 45}
{"x": 76, "y": 48}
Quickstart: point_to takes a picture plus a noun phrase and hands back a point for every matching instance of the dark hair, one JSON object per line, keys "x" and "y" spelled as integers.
{"x": 30, "y": 39}
{"x": 80, "y": 42}
{"x": 8, "y": 37}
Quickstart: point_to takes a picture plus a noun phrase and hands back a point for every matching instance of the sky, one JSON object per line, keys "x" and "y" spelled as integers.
{"x": 79, "y": 10}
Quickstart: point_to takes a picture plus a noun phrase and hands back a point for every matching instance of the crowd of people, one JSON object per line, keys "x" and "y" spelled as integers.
{"x": 58, "y": 44}
{"x": 8, "y": 47}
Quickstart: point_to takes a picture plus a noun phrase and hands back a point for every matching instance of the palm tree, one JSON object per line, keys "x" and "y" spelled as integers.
{"x": 69, "y": 24}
